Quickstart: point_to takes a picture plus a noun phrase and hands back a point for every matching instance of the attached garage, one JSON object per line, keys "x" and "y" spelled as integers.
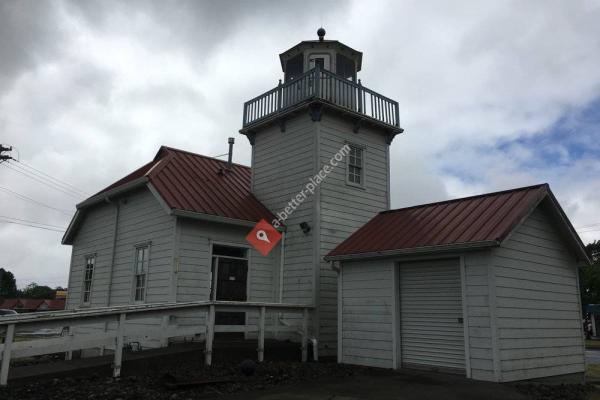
{"x": 485, "y": 286}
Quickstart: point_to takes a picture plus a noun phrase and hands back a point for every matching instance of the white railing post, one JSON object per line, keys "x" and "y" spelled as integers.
{"x": 69, "y": 353}
{"x": 261, "y": 335}
{"x": 164, "y": 334}
{"x": 119, "y": 345}
{"x": 8, "y": 342}
{"x": 305, "y": 336}
{"x": 210, "y": 334}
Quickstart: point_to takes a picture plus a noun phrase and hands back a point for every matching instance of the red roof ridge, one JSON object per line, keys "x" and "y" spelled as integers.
{"x": 539, "y": 185}
{"x": 168, "y": 148}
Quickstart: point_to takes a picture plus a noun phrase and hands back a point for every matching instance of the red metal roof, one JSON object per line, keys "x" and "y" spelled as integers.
{"x": 53, "y": 304}
{"x": 477, "y": 219}
{"x": 196, "y": 183}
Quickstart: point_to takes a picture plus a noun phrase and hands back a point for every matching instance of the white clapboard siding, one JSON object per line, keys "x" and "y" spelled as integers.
{"x": 478, "y": 315}
{"x": 141, "y": 219}
{"x": 537, "y": 304}
{"x": 367, "y": 297}
{"x": 345, "y": 208}
{"x": 95, "y": 236}
{"x": 430, "y": 309}
{"x": 283, "y": 163}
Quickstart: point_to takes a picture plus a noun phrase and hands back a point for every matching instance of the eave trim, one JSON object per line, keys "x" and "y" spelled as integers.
{"x": 415, "y": 250}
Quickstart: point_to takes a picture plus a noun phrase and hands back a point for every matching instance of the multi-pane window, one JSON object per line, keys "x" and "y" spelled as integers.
{"x": 141, "y": 271}
{"x": 355, "y": 165}
{"x": 88, "y": 276}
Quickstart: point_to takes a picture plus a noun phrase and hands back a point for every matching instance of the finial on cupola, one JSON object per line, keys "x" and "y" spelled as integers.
{"x": 321, "y": 32}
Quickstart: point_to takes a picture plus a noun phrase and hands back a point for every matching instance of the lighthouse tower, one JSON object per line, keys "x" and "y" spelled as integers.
{"x": 318, "y": 114}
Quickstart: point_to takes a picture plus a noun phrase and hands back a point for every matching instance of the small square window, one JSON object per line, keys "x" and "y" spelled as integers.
{"x": 140, "y": 273}
{"x": 355, "y": 165}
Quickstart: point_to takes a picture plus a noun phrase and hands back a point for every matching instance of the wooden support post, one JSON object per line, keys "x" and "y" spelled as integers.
{"x": 69, "y": 353}
{"x": 164, "y": 328}
{"x": 8, "y": 342}
{"x": 261, "y": 334}
{"x": 119, "y": 346}
{"x": 210, "y": 334}
{"x": 305, "y": 336}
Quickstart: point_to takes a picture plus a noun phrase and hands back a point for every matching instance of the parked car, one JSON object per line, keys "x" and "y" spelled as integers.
{"x": 7, "y": 313}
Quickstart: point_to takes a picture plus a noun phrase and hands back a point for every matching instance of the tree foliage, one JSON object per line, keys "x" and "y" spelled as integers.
{"x": 35, "y": 291}
{"x": 8, "y": 284}
{"x": 589, "y": 276}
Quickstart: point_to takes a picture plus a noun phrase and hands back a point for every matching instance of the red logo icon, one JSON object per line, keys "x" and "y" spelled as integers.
{"x": 263, "y": 237}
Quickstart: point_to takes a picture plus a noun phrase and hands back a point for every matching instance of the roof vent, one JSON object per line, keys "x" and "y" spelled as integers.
{"x": 231, "y": 141}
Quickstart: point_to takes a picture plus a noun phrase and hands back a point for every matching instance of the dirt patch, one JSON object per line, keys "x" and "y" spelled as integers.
{"x": 182, "y": 382}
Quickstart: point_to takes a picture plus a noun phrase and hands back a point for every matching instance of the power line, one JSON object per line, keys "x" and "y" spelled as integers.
{"x": 23, "y": 197}
{"x": 588, "y": 226}
{"x": 33, "y": 226}
{"x": 46, "y": 179}
{"x": 33, "y": 177}
{"x": 32, "y": 222}
{"x": 68, "y": 185}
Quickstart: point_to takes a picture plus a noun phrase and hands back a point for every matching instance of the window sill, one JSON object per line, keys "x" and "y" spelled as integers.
{"x": 356, "y": 185}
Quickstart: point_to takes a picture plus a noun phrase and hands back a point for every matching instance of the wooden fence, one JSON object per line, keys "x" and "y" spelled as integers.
{"x": 67, "y": 322}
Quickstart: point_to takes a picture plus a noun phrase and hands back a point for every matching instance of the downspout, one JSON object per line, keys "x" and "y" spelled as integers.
{"x": 281, "y": 264}
{"x": 315, "y": 343}
{"x": 112, "y": 265}
{"x": 114, "y": 249}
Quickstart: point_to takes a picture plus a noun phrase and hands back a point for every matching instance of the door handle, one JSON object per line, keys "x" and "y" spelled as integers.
{"x": 460, "y": 320}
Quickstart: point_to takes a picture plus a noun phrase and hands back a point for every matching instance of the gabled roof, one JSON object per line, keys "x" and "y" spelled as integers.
{"x": 189, "y": 184}
{"x": 471, "y": 222}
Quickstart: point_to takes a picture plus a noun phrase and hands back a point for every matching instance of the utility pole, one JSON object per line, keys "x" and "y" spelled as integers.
{"x": 5, "y": 157}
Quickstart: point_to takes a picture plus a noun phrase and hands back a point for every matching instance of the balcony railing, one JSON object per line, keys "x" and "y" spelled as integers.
{"x": 327, "y": 87}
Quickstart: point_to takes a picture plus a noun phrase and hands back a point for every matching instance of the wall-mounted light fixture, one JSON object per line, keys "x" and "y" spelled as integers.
{"x": 305, "y": 227}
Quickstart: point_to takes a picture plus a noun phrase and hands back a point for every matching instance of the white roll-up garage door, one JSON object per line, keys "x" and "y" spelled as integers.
{"x": 431, "y": 314}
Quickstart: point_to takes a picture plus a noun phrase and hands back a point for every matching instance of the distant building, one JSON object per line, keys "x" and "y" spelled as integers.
{"x": 32, "y": 305}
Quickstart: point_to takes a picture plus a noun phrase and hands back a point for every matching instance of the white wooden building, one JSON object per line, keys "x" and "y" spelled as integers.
{"x": 486, "y": 286}
{"x": 175, "y": 231}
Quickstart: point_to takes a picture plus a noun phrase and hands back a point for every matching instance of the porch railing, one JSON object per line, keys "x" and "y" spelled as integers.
{"x": 326, "y": 86}
{"x": 67, "y": 340}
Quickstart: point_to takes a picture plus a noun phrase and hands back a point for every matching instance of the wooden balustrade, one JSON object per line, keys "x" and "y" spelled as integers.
{"x": 318, "y": 84}
{"x": 69, "y": 340}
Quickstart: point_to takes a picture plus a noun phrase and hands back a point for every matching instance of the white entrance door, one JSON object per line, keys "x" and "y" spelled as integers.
{"x": 431, "y": 314}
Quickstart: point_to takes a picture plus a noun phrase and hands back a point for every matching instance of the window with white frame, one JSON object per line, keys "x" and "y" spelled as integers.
{"x": 356, "y": 165}
{"x": 88, "y": 277}
{"x": 141, "y": 272}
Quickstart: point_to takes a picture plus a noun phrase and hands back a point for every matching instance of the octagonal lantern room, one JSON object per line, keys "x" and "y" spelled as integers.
{"x": 330, "y": 55}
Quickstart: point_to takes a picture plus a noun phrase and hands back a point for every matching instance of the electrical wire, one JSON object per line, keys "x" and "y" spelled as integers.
{"x": 43, "y": 182}
{"x": 23, "y": 197}
{"x": 32, "y": 222}
{"x": 46, "y": 179}
{"x": 68, "y": 185}
{"x": 33, "y": 226}
{"x": 587, "y": 226}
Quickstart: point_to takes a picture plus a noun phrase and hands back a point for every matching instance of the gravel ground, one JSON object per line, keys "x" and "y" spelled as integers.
{"x": 188, "y": 381}
{"x": 160, "y": 384}
{"x": 557, "y": 392}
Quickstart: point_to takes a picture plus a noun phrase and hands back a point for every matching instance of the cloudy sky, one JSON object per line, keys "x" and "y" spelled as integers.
{"x": 493, "y": 95}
